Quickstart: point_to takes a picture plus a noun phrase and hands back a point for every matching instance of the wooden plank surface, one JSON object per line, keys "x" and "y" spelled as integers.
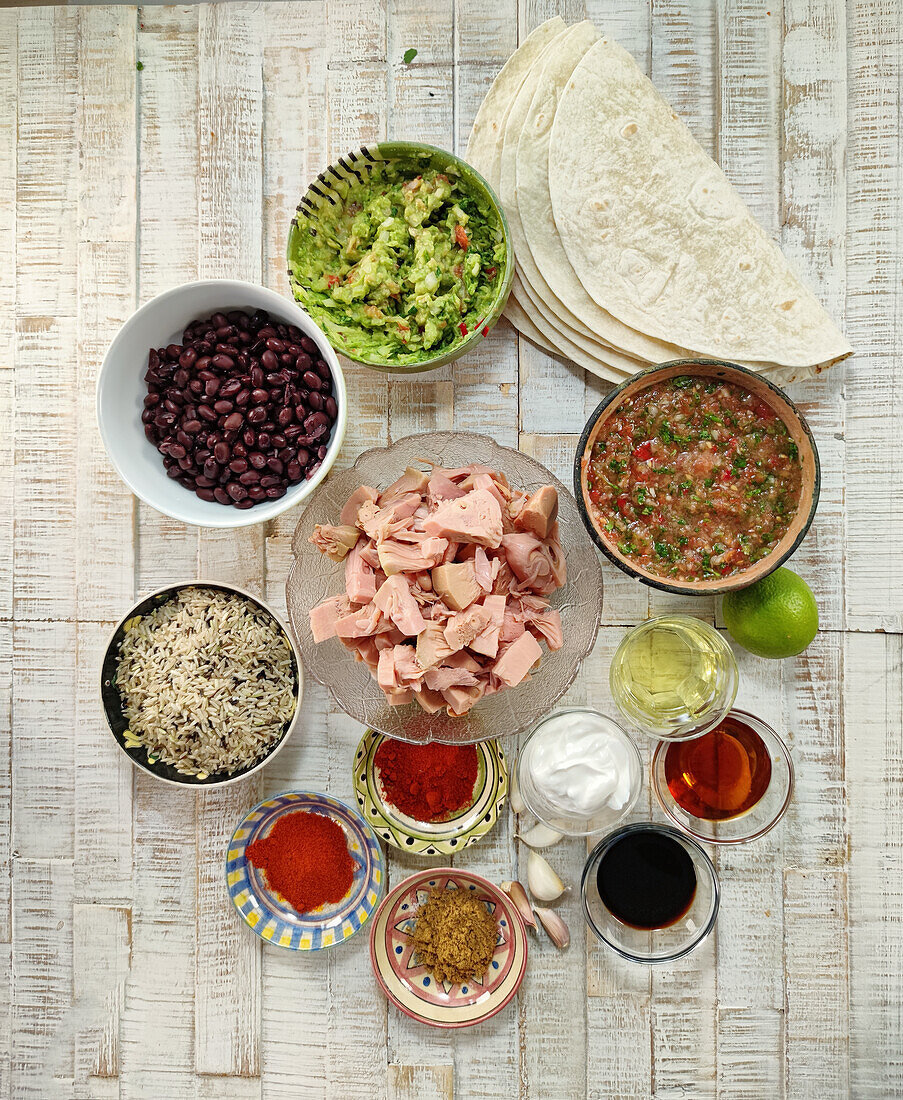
{"x": 141, "y": 148}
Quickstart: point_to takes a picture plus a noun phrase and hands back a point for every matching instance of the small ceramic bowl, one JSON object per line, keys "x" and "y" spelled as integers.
{"x": 331, "y": 188}
{"x": 411, "y": 988}
{"x": 658, "y": 945}
{"x": 759, "y": 818}
{"x": 121, "y": 390}
{"x": 757, "y": 384}
{"x": 431, "y": 838}
{"x": 112, "y": 699}
{"x": 269, "y": 915}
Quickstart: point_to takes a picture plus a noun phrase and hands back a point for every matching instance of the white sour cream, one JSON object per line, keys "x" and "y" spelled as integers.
{"x": 582, "y": 763}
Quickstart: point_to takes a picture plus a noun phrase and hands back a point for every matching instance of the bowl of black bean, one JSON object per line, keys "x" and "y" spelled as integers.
{"x": 221, "y": 404}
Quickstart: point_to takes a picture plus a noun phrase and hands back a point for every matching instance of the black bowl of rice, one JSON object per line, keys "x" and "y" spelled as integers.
{"x": 201, "y": 684}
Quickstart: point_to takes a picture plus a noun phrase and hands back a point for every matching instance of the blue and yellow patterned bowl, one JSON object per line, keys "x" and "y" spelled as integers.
{"x": 267, "y": 914}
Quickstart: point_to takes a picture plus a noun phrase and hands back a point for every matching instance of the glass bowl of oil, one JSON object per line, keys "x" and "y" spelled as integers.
{"x": 650, "y": 893}
{"x": 674, "y": 677}
{"x": 729, "y": 786}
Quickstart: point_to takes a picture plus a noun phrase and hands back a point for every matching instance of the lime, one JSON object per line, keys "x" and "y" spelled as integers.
{"x": 775, "y": 617}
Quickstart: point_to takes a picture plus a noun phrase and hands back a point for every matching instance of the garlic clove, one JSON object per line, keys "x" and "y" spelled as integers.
{"x": 544, "y": 884}
{"x": 555, "y": 926}
{"x": 515, "y": 800}
{"x": 540, "y": 836}
{"x": 518, "y": 895}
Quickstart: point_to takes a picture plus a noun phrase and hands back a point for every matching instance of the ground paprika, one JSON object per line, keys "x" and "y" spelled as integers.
{"x": 305, "y": 859}
{"x": 426, "y": 782}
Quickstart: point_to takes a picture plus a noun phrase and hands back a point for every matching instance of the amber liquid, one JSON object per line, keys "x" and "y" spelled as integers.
{"x": 721, "y": 774}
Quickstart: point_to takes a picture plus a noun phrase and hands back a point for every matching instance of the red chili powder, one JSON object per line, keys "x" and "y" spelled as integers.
{"x": 426, "y": 782}
{"x": 305, "y": 858}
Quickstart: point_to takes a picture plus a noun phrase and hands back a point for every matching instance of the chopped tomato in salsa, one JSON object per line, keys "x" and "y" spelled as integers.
{"x": 694, "y": 478}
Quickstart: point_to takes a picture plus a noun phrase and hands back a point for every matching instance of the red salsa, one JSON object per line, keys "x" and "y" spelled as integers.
{"x": 694, "y": 478}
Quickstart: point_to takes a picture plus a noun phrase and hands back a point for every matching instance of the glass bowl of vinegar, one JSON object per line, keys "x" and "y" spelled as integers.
{"x": 730, "y": 786}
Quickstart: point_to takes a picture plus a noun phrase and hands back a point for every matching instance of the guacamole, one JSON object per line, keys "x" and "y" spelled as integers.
{"x": 404, "y": 269}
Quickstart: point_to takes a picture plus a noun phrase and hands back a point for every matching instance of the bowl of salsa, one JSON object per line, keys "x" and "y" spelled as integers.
{"x": 400, "y": 253}
{"x": 697, "y": 476}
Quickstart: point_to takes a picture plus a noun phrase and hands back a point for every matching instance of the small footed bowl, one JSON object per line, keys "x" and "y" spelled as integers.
{"x": 410, "y": 987}
{"x": 267, "y": 914}
{"x": 767, "y": 391}
{"x": 331, "y": 188}
{"x": 431, "y": 838}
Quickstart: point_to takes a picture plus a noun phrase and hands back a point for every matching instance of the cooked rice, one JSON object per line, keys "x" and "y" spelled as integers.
{"x": 206, "y": 681}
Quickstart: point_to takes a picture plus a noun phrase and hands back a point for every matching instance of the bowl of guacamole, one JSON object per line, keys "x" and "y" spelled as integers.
{"x": 400, "y": 253}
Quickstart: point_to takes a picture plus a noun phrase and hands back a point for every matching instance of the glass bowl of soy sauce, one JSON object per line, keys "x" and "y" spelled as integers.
{"x": 650, "y": 893}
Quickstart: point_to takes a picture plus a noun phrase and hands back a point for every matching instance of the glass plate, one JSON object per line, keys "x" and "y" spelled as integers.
{"x": 314, "y": 576}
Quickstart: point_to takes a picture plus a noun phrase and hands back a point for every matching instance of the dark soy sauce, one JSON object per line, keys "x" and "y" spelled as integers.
{"x": 647, "y": 880}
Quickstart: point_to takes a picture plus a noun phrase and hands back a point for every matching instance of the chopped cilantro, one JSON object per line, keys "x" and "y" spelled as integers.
{"x": 739, "y": 462}
{"x": 682, "y": 382}
{"x": 139, "y": 65}
{"x": 409, "y": 55}
{"x": 665, "y": 551}
{"x": 664, "y": 434}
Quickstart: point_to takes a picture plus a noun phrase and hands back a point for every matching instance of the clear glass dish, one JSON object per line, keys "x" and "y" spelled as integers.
{"x": 674, "y": 677}
{"x": 314, "y": 576}
{"x": 658, "y": 945}
{"x": 558, "y": 817}
{"x": 754, "y": 822}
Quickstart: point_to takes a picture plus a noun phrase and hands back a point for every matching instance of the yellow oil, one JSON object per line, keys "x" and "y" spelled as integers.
{"x": 673, "y": 675}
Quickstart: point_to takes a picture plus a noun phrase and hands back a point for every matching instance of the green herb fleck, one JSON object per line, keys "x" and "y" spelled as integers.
{"x": 682, "y": 382}
{"x": 139, "y": 65}
{"x": 409, "y": 55}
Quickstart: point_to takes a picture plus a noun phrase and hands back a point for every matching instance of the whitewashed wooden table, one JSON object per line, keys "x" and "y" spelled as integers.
{"x": 124, "y": 971}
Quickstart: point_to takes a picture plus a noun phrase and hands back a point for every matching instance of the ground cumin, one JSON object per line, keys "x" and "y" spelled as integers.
{"x": 455, "y": 935}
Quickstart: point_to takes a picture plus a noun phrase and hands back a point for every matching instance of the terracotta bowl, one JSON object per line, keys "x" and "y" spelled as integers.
{"x": 756, "y": 384}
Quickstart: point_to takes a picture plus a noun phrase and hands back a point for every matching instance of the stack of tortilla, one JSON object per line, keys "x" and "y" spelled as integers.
{"x": 631, "y": 246}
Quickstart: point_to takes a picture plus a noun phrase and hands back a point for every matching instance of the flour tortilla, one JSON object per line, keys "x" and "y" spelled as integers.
{"x": 658, "y": 236}
{"x": 528, "y": 179}
{"x": 484, "y": 151}
{"x": 575, "y": 40}
{"x": 483, "y": 146}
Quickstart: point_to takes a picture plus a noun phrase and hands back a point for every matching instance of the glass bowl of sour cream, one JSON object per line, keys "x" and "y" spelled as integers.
{"x": 579, "y": 771}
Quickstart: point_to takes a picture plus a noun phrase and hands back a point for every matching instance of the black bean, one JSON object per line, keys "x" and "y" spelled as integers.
{"x": 233, "y": 421}
{"x": 211, "y": 387}
{"x": 275, "y": 465}
{"x": 212, "y": 469}
{"x": 192, "y": 427}
{"x": 293, "y": 471}
{"x": 205, "y": 493}
{"x": 255, "y": 493}
{"x": 257, "y": 415}
{"x": 263, "y": 441}
{"x": 331, "y": 408}
{"x": 275, "y": 492}
{"x": 238, "y": 465}
{"x": 249, "y": 477}
{"x": 309, "y": 346}
{"x": 322, "y": 368}
{"x": 312, "y": 380}
{"x": 204, "y": 481}
{"x": 242, "y": 397}
{"x": 223, "y": 407}
{"x": 257, "y": 460}
{"x": 260, "y": 397}
{"x": 315, "y": 400}
{"x": 221, "y": 453}
{"x": 223, "y": 362}
{"x": 236, "y": 491}
{"x": 229, "y": 388}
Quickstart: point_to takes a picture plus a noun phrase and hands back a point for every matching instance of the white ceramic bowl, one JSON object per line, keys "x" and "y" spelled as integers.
{"x": 121, "y": 390}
